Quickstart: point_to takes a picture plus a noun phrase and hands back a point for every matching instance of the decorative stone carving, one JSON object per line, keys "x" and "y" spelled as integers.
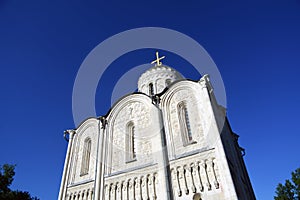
{"x": 203, "y": 172}
{"x": 124, "y": 190}
{"x": 112, "y": 191}
{"x": 91, "y": 194}
{"x": 137, "y": 188}
{"x": 151, "y": 187}
{"x": 196, "y": 177}
{"x": 118, "y": 191}
{"x": 214, "y": 174}
{"x": 144, "y": 188}
{"x": 175, "y": 182}
{"x": 189, "y": 178}
{"x": 87, "y": 196}
{"x": 131, "y": 190}
{"x": 182, "y": 180}
{"x": 78, "y": 195}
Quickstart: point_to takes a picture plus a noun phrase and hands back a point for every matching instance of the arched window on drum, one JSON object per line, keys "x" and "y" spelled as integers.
{"x": 151, "y": 89}
{"x": 168, "y": 82}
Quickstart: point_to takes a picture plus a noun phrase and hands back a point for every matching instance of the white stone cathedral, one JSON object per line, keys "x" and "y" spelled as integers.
{"x": 170, "y": 140}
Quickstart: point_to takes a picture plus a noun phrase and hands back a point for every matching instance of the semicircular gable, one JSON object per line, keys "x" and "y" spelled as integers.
{"x": 119, "y": 105}
{"x": 187, "y": 85}
{"x": 87, "y": 130}
{"x": 183, "y": 108}
{"x": 92, "y": 121}
{"x": 137, "y": 111}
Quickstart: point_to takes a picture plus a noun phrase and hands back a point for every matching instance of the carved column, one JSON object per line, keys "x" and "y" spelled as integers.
{"x": 151, "y": 187}
{"x": 64, "y": 180}
{"x": 196, "y": 177}
{"x": 175, "y": 182}
{"x": 131, "y": 189}
{"x": 144, "y": 188}
{"x": 101, "y": 152}
{"x": 204, "y": 175}
{"x": 189, "y": 179}
{"x": 79, "y": 195}
{"x": 119, "y": 191}
{"x": 91, "y": 193}
{"x": 87, "y": 194}
{"x": 137, "y": 188}
{"x": 113, "y": 191}
{"x": 155, "y": 183}
{"x": 125, "y": 190}
{"x": 162, "y": 157}
{"x": 211, "y": 166}
{"x": 182, "y": 180}
{"x": 83, "y": 195}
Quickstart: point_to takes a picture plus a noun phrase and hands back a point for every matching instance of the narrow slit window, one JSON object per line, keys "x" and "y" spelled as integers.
{"x": 85, "y": 163}
{"x": 184, "y": 123}
{"x": 130, "y": 143}
{"x": 151, "y": 90}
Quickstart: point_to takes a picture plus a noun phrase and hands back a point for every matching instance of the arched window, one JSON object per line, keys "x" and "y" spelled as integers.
{"x": 197, "y": 196}
{"x": 168, "y": 82}
{"x": 130, "y": 143}
{"x": 151, "y": 90}
{"x": 86, "y": 154}
{"x": 184, "y": 122}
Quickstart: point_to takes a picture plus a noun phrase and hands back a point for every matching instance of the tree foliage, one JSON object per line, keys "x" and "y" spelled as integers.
{"x": 291, "y": 189}
{"x": 7, "y": 173}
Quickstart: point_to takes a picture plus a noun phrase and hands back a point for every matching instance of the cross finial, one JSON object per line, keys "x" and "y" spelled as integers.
{"x": 157, "y": 60}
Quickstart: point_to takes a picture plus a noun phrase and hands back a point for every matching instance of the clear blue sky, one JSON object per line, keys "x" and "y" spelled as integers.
{"x": 255, "y": 44}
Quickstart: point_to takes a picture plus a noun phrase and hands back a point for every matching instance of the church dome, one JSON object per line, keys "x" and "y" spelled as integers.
{"x": 157, "y": 78}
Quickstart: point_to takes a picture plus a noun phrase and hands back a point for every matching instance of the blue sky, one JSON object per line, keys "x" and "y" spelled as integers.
{"x": 255, "y": 45}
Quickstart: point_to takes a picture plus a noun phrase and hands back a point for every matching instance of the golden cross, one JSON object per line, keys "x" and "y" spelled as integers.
{"x": 157, "y": 60}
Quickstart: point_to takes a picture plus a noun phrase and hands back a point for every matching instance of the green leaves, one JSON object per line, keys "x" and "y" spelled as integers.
{"x": 290, "y": 190}
{"x": 296, "y": 181}
{"x": 7, "y": 173}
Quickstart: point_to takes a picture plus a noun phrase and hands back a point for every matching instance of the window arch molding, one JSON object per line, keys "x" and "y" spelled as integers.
{"x": 130, "y": 146}
{"x": 86, "y": 154}
{"x": 184, "y": 123}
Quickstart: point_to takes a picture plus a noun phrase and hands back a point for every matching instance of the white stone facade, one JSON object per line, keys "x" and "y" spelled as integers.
{"x": 171, "y": 140}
